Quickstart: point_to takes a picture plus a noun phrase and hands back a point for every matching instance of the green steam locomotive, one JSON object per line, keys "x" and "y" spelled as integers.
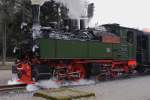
{"x": 109, "y": 51}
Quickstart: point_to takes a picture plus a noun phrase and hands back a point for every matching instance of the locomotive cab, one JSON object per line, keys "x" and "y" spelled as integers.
{"x": 143, "y": 49}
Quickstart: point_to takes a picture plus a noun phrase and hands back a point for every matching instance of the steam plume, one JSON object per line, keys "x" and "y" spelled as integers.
{"x": 76, "y": 7}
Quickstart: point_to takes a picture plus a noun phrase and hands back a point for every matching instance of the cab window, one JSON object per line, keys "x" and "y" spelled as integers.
{"x": 130, "y": 37}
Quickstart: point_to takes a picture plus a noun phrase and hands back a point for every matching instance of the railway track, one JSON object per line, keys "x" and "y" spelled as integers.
{"x": 20, "y": 87}
{"x": 7, "y": 88}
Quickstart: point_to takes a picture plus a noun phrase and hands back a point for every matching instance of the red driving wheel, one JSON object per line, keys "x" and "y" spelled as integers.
{"x": 80, "y": 69}
{"x": 114, "y": 74}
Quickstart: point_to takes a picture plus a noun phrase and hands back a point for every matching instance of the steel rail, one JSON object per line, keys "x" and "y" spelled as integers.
{"x": 5, "y": 88}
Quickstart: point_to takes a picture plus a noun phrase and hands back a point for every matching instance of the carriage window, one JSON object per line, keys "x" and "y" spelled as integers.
{"x": 130, "y": 37}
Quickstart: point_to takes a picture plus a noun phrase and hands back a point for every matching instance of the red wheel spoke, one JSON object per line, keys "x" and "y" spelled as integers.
{"x": 78, "y": 69}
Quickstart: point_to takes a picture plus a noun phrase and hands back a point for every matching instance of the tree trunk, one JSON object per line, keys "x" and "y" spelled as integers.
{"x": 4, "y": 43}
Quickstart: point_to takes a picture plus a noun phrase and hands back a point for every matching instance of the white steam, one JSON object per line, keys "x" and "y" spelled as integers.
{"x": 78, "y": 83}
{"x": 48, "y": 84}
{"x": 77, "y": 8}
{"x": 38, "y": 2}
{"x": 14, "y": 80}
{"x": 45, "y": 84}
{"x": 32, "y": 87}
{"x": 83, "y": 82}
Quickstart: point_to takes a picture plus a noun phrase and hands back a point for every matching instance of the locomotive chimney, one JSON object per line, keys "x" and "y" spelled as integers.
{"x": 36, "y": 14}
{"x": 36, "y": 10}
{"x": 36, "y": 18}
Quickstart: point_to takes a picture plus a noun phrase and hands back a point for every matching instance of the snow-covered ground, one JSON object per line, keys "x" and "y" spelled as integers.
{"x": 127, "y": 89}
